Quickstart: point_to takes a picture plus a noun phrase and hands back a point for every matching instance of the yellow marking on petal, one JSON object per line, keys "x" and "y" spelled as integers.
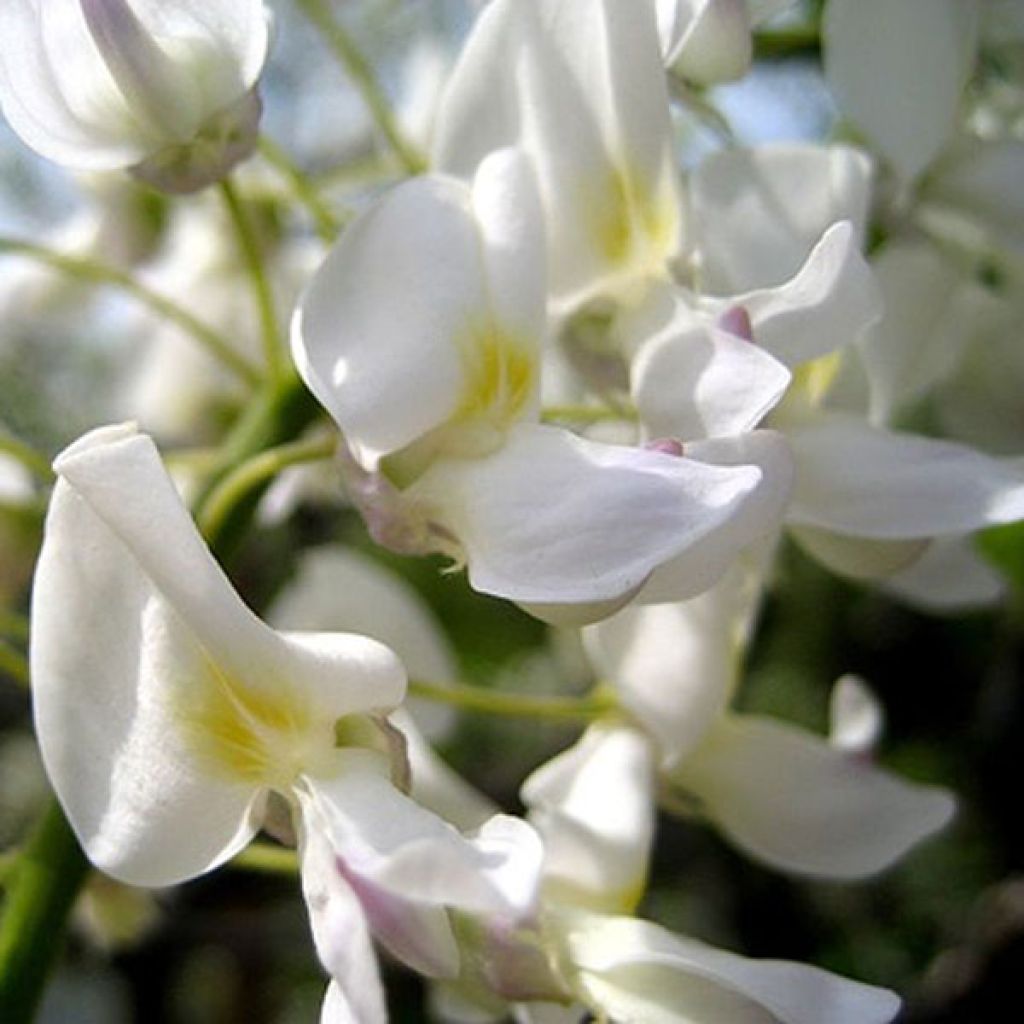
{"x": 613, "y": 223}
{"x": 812, "y": 381}
{"x": 632, "y": 221}
{"x": 500, "y": 374}
{"x": 623, "y": 900}
{"x": 242, "y": 733}
{"x": 499, "y": 377}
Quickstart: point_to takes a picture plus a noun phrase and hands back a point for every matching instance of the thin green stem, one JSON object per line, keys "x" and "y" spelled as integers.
{"x": 41, "y": 887}
{"x": 93, "y": 272}
{"x": 361, "y": 73}
{"x": 267, "y": 859}
{"x": 278, "y": 415}
{"x": 252, "y": 257}
{"x": 240, "y": 482}
{"x": 514, "y": 705}
{"x": 325, "y": 222}
{"x": 14, "y": 664}
{"x": 34, "y": 461}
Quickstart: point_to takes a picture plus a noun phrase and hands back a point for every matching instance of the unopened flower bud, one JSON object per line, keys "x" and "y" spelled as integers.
{"x": 166, "y": 90}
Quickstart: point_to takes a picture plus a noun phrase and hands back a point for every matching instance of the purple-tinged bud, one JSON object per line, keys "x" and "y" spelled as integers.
{"x": 736, "y": 321}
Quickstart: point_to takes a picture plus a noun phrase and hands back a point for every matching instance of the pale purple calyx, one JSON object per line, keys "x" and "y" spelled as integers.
{"x": 736, "y": 321}
{"x": 392, "y": 520}
{"x": 509, "y": 958}
{"x": 180, "y": 95}
{"x": 224, "y": 139}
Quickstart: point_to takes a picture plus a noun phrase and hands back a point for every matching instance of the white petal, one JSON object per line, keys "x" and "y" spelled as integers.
{"x": 389, "y": 371}
{"x": 511, "y": 224}
{"x": 336, "y": 1008}
{"x": 238, "y": 29}
{"x": 341, "y": 935}
{"x": 336, "y": 588}
{"x": 112, "y": 667}
{"x": 795, "y": 802}
{"x": 860, "y": 558}
{"x": 755, "y": 520}
{"x": 674, "y": 665}
{"x": 950, "y": 577}
{"x": 713, "y": 44}
{"x": 416, "y": 932}
{"x": 899, "y": 71}
{"x": 37, "y": 107}
{"x": 162, "y": 703}
{"x": 856, "y": 718}
{"x": 552, "y": 517}
{"x": 757, "y": 213}
{"x": 692, "y": 381}
{"x": 579, "y": 87}
{"x": 638, "y": 971}
{"x": 611, "y": 49}
{"x": 385, "y": 335}
{"x": 396, "y": 844}
{"x": 118, "y": 473}
{"x": 594, "y": 808}
{"x": 855, "y": 479}
{"x": 104, "y": 84}
{"x": 932, "y": 311}
{"x": 982, "y": 179}
{"x": 827, "y": 305}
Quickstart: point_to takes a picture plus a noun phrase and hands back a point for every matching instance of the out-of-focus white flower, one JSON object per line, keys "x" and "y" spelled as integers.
{"x": 756, "y": 213}
{"x": 575, "y": 953}
{"x": 119, "y": 224}
{"x": 898, "y": 70}
{"x": 179, "y": 391}
{"x": 705, "y": 41}
{"x": 594, "y": 808}
{"x": 856, "y": 718}
{"x": 165, "y": 89}
{"x": 169, "y": 718}
{"x": 423, "y": 336}
{"x": 785, "y": 796}
{"x": 633, "y": 970}
{"x": 580, "y": 87}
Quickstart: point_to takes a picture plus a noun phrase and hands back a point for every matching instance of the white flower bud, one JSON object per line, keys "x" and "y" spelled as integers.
{"x": 166, "y": 89}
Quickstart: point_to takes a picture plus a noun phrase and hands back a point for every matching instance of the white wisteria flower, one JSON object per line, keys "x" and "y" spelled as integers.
{"x": 166, "y": 89}
{"x": 899, "y": 71}
{"x": 790, "y": 799}
{"x": 173, "y": 723}
{"x": 706, "y": 41}
{"x": 579, "y": 950}
{"x": 867, "y": 501}
{"x": 628, "y": 969}
{"x": 579, "y": 85}
{"x": 423, "y": 336}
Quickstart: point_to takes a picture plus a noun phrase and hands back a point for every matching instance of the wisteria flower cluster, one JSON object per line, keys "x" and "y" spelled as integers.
{"x": 606, "y": 380}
